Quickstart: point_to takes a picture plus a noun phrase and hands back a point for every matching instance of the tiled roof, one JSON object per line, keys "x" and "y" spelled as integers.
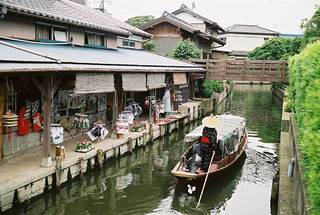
{"x": 67, "y": 11}
{"x": 173, "y": 19}
{"x": 185, "y": 9}
{"x": 250, "y": 29}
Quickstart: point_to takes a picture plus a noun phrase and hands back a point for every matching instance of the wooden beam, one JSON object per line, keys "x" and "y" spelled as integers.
{"x": 38, "y": 84}
{"x": 57, "y": 84}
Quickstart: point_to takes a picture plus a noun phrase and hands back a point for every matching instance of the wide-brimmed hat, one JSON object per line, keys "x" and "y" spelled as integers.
{"x": 211, "y": 121}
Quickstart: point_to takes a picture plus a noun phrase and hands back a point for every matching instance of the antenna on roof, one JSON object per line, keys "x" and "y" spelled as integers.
{"x": 102, "y": 6}
{"x": 193, "y": 5}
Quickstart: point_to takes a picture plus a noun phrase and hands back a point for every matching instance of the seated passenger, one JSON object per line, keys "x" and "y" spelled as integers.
{"x": 203, "y": 149}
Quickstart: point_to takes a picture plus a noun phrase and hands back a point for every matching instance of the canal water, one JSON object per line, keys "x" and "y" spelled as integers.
{"x": 142, "y": 184}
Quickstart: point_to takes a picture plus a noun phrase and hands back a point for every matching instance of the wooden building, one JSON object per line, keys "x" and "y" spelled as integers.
{"x": 184, "y": 23}
{"x": 58, "y": 57}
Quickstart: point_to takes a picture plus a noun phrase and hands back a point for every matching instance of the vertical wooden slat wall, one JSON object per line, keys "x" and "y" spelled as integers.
{"x": 2, "y": 101}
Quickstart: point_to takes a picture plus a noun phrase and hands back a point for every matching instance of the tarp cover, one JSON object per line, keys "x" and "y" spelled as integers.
{"x": 134, "y": 82}
{"x": 94, "y": 83}
{"x": 179, "y": 78}
{"x": 156, "y": 80}
{"x": 230, "y": 127}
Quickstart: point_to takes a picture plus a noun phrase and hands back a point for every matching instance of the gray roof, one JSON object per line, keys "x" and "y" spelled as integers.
{"x": 250, "y": 29}
{"x": 185, "y": 9}
{"x": 67, "y": 11}
{"x": 83, "y": 2}
{"x": 173, "y": 19}
{"x": 58, "y": 57}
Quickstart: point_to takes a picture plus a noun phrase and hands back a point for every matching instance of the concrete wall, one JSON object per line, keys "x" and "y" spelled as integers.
{"x": 292, "y": 196}
{"x": 243, "y": 42}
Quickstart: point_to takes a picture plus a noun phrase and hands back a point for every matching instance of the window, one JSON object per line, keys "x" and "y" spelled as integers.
{"x": 94, "y": 39}
{"x": 128, "y": 43}
{"x": 46, "y": 32}
{"x": 43, "y": 32}
{"x": 60, "y": 34}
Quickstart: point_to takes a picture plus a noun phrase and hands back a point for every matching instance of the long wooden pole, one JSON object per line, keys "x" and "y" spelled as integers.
{"x": 205, "y": 180}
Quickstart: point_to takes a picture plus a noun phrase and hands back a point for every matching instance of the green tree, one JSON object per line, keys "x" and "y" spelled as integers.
{"x": 139, "y": 21}
{"x": 312, "y": 26}
{"x": 186, "y": 49}
{"x": 149, "y": 45}
{"x": 277, "y": 49}
{"x": 210, "y": 86}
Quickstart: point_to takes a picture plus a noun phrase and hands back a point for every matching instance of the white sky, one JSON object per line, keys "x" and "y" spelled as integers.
{"x": 280, "y": 15}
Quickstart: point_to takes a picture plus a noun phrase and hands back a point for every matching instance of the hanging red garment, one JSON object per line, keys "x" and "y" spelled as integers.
{"x": 37, "y": 120}
{"x": 23, "y": 124}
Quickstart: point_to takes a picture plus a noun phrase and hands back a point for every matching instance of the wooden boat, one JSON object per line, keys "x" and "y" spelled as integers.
{"x": 218, "y": 167}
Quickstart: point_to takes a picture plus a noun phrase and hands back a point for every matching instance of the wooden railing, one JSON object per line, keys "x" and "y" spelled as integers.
{"x": 245, "y": 70}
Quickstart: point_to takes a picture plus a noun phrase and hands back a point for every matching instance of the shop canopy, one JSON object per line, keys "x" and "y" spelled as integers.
{"x": 26, "y": 57}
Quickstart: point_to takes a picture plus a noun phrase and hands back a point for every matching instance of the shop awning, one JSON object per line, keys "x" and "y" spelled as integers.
{"x": 156, "y": 80}
{"x": 179, "y": 78}
{"x": 134, "y": 82}
{"x": 87, "y": 83}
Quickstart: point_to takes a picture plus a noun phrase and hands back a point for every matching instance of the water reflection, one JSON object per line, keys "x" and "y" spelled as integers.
{"x": 142, "y": 184}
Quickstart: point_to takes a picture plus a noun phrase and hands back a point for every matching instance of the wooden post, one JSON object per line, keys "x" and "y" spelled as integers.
{"x": 115, "y": 108}
{"x": 47, "y": 88}
{"x": 58, "y": 172}
{"x": 100, "y": 158}
{"x": 47, "y": 112}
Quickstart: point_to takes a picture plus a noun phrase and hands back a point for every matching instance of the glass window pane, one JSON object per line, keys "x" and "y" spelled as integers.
{"x": 100, "y": 40}
{"x": 60, "y": 35}
{"x": 132, "y": 44}
{"x": 90, "y": 39}
{"x": 125, "y": 43}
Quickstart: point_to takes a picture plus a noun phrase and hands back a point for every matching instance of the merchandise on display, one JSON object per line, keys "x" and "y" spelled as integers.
{"x": 81, "y": 121}
{"x": 23, "y": 122}
{"x": 56, "y": 133}
{"x": 84, "y": 146}
{"x": 98, "y": 131}
{"x": 10, "y": 119}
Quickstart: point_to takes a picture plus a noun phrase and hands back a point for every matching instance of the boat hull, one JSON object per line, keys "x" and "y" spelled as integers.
{"x": 225, "y": 164}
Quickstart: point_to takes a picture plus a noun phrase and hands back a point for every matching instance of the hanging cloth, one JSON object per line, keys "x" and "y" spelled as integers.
{"x": 134, "y": 82}
{"x": 23, "y": 123}
{"x": 156, "y": 80}
{"x": 179, "y": 79}
{"x": 87, "y": 83}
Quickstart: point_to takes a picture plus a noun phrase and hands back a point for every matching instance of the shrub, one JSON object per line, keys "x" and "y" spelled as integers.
{"x": 149, "y": 45}
{"x": 211, "y": 86}
{"x": 304, "y": 91}
{"x": 186, "y": 49}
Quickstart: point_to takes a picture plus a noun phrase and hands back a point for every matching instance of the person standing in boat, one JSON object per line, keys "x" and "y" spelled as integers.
{"x": 203, "y": 149}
